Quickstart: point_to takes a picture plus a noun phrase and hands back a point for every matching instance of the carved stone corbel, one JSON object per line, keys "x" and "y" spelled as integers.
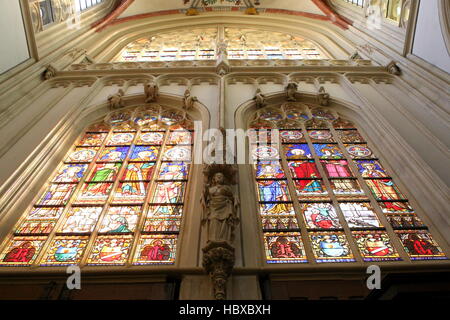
{"x": 323, "y": 98}
{"x": 392, "y": 68}
{"x": 49, "y": 72}
{"x": 151, "y": 92}
{"x": 115, "y": 100}
{"x": 260, "y": 99}
{"x": 188, "y": 100}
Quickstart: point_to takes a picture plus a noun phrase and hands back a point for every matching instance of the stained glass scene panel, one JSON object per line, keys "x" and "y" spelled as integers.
{"x": 384, "y": 189}
{"x": 120, "y": 220}
{"x": 82, "y": 155}
{"x": 176, "y": 153}
{"x": 65, "y": 250}
{"x": 330, "y": 247}
{"x": 279, "y": 222}
{"x": 138, "y": 171}
{"x": 420, "y": 245}
{"x": 276, "y": 209}
{"x": 375, "y": 246}
{"x": 180, "y": 137}
{"x": 359, "y": 151}
{"x": 310, "y": 190}
{"x": 162, "y": 225}
{"x": 158, "y": 211}
{"x": 284, "y": 248}
{"x": 80, "y": 220}
{"x": 56, "y": 195}
{"x": 21, "y": 251}
{"x": 370, "y": 169}
{"x": 320, "y": 215}
{"x": 320, "y": 136}
{"x": 292, "y": 136}
{"x": 130, "y": 192}
{"x": 269, "y": 170}
{"x": 156, "y": 249}
{"x": 113, "y": 154}
{"x": 70, "y": 173}
{"x": 297, "y": 151}
{"x": 144, "y": 153}
{"x": 168, "y": 192}
{"x": 94, "y": 193}
{"x": 39, "y": 220}
{"x": 389, "y": 207}
{"x": 104, "y": 172}
{"x": 124, "y": 138}
{"x": 404, "y": 221}
{"x": 265, "y": 153}
{"x": 92, "y": 139}
{"x": 360, "y": 215}
{"x": 150, "y": 138}
{"x": 350, "y": 136}
{"x": 303, "y": 169}
{"x": 273, "y": 190}
{"x": 110, "y": 250}
{"x": 328, "y": 151}
{"x": 347, "y": 189}
{"x": 173, "y": 171}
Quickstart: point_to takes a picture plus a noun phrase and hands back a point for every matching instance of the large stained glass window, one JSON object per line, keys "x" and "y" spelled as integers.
{"x": 324, "y": 195}
{"x": 116, "y": 199}
{"x": 200, "y": 44}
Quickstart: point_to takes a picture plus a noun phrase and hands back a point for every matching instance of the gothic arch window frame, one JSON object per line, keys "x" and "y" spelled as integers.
{"x": 17, "y": 216}
{"x": 245, "y": 114}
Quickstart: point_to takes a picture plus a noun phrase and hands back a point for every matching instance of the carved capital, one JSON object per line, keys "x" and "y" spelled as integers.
{"x": 218, "y": 262}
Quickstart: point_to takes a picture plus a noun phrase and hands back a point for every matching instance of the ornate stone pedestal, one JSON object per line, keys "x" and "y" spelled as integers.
{"x": 218, "y": 261}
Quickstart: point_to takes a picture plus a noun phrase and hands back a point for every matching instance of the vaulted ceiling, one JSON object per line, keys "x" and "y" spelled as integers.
{"x": 127, "y": 10}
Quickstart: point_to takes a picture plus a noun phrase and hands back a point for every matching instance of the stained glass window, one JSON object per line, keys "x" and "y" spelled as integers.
{"x": 117, "y": 198}
{"x": 324, "y": 196}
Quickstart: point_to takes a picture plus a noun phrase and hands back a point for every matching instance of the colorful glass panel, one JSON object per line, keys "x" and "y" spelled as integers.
{"x": 120, "y": 139}
{"x": 180, "y": 137}
{"x": 347, "y": 189}
{"x": 330, "y": 247}
{"x": 92, "y": 139}
{"x": 370, "y": 169}
{"x": 162, "y": 225}
{"x": 284, "y": 248}
{"x": 276, "y": 209}
{"x": 303, "y": 169}
{"x": 320, "y": 136}
{"x": 420, "y": 245}
{"x": 138, "y": 171}
{"x": 273, "y": 190}
{"x": 156, "y": 249}
{"x": 350, "y": 136}
{"x": 404, "y": 221}
{"x": 176, "y": 153}
{"x": 384, "y": 189}
{"x": 150, "y": 138}
{"x": 297, "y": 151}
{"x": 21, "y": 251}
{"x": 292, "y": 136}
{"x": 80, "y": 220}
{"x": 94, "y": 193}
{"x": 328, "y": 151}
{"x": 65, "y": 250}
{"x": 144, "y": 153}
{"x": 158, "y": 211}
{"x": 168, "y": 192}
{"x": 358, "y": 151}
{"x": 82, "y": 155}
{"x": 269, "y": 170}
{"x": 395, "y": 207}
{"x": 120, "y": 220}
{"x": 265, "y": 153}
{"x": 70, "y": 173}
{"x": 113, "y": 154}
{"x": 375, "y": 246}
{"x": 360, "y": 215}
{"x": 173, "y": 171}
{"x": 320, "y": 215}
{"x": 310, "y": 190}
{"x": 130, "y": 192}
{"x": 279, "y": 222}
{"x": 336, "y": 168}
{"x": 56, "y": 195}
{"x": 110, "y": 250}
{"x": 104, "y": 172}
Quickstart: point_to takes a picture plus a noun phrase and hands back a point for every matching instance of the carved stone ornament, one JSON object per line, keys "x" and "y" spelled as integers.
{"x": 291, "y": 91}
{"x": 392, "y": 68}
{"x": 49, "y": 72}
{"x": 115, "y": 100}
{"x": 188, "y": 101}
{"x": 355, "y": 56}
{"x": 260, "y": 99}
{"x": 151, "y": 92}
{"x": 220, "y": 205}
{"x": 323, "y": 98}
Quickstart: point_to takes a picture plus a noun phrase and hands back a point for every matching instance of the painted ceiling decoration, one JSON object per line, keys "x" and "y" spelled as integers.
{"x": 129, "y": 10}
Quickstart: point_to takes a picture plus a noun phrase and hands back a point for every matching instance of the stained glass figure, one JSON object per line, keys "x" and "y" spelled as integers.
{"x": 404, "y": 221}
{"x": 144, "y": 153}
{"x": 276, "y": 209}
{"x": 162, "y": 225}
{"x": 310, "y": 189}
{"x": 120, "y": 220}
{"x": 297, "y": 151}
{"x": 80, "y": 220}
{"x": 21, "y": 251}
{"x": 384, "y": 189}
{"x": 375, "y": 246}
{"x": 328, "y": 151}
{"x": 56, "y": 195}
{"x": 35, "y": 227}
{"x": 157, "y": 211}
{"x": 66, "y": 250}
{"x": 120, "y": 139}
{"x": 92, "y": 139}
{"x": 330, "y": 247}
{"x": 70, "y": 173}
{"x": 42, "y": 213}
{"x": 82, "y": 155}
{"x": 292, "y": 136}
{"x": 320, "y": 215}
{"x": 265, "y": 153}
{"x": 156, "y": 249}
{"x": 104, "y": 172}
{"x": 110, "y": 250}
{"x": 350, "y": 136}
{"x": 273, "y": 190}
{"x": 150, "y": 138}
{"x": 358, "y": 151}
{"x": 420, "y": 245}
{"x": 284, "y": 248}
{"x": 269, "y": 170}
{"x": 113, "y": 154}
{"x": 173, "y": 171}
{"x": 370, "y": 169}
{"x": 94, "y": 193}
{"x": 137, "y": 171}
{"x": 303, "y": 169}
{"x": 395, "y": 207}
{"x": 279, "y": 222}
{"x": 336, "y": 168}
{"x": 176, "y": 153}
{"x": 180, "y": 137}
{"x": 360, "y": 215}
{"x": 347, "y": 189}
{"x": 323, "y": 114}
{"x": 130, "y": 192}
{"x": 320, "y": 136}
{"x": 168, "y": 192}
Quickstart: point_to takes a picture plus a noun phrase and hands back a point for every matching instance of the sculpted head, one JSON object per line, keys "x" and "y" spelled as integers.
{"x": 218, "y": 178}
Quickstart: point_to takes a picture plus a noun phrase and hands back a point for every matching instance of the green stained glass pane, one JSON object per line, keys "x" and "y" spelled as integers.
{"x": 104, "y": 172}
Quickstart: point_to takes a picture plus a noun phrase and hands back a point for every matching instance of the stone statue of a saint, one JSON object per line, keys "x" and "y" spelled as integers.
{"x": 219, "y": 209}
